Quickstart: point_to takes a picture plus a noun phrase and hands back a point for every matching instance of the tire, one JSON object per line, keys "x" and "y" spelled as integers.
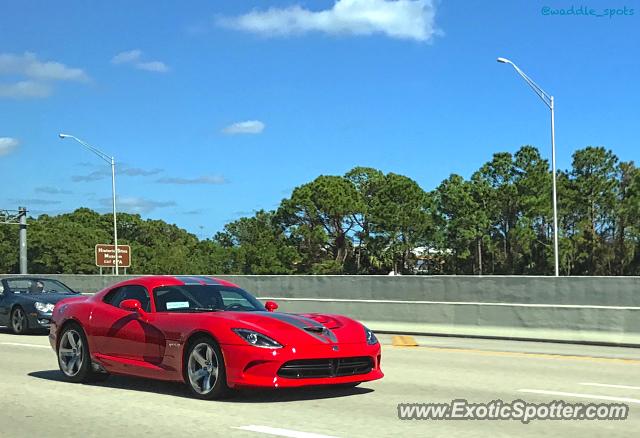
{"x": 74, "y": 358}
{"x": 19, "y": 321}
{"x": 204, "y": 371}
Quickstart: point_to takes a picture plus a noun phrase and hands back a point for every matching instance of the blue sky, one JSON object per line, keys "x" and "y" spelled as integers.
{"x": 216, "y": 109}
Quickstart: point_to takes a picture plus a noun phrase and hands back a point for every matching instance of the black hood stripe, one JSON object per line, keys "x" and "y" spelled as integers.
{"x": 300, "y": 322}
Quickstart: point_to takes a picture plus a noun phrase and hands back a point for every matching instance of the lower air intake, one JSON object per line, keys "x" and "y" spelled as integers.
{"x": 318, "y": 368}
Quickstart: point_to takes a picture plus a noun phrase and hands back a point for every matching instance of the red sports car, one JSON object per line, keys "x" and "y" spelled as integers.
{"x": 208, "y": 333}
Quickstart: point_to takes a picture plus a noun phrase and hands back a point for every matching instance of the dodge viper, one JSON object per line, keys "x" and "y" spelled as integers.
{"x": 208, "y": 333}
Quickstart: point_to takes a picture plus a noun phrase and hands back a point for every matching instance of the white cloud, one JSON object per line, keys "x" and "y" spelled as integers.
{"x": 246, "y": 127}
{"x": 403, "y": 19}
{"x": 55, "y": 71}
{"x": 136, "y": 204}
{"x": 28, "y": 65}
{"x": 155, "y": 66}
{"x": 134, "y": 58}
{"x": 190, "y": 181}
{"x": 35, "y": 75}
{"x": 25, "y": 89}
{"x": 7, "y": 145}
{"x": 125, "y": 57}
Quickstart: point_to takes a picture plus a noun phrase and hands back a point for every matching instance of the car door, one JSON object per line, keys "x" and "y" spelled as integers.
{"x": 122, "y": 334}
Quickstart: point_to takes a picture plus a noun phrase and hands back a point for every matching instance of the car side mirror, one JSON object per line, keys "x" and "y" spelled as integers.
{"x": 132, "y": 306}
{"x": 271, "y": 306}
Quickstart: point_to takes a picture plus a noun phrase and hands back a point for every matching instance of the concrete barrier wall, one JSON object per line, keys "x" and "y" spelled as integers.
{"x": 578, "y": 309}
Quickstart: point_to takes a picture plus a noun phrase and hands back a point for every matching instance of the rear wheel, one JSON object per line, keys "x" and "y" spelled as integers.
{"x": 19, "y": 322}
{"x": 205, "y": 373}
{"x": 74, "y": 358}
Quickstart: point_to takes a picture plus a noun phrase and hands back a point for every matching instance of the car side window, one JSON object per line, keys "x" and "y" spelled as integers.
{"x": 171, "y": 298}
{"x": 111, "y": 295}
{"x": 129, "y": 292}
{"x": 174, "y": 298}
{"x": 19, "y": 286}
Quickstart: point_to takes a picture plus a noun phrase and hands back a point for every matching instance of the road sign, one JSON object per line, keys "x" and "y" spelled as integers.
{"x": 106, "y": 256}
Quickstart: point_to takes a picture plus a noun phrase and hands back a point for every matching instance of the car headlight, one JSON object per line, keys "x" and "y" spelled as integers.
{"x": 44, "y": 307}
{"x": 256, "y": 339}
{"x": 371, "y": 338}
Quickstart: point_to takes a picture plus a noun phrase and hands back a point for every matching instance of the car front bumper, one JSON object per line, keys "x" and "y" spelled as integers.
{"x": 53, "y": 331}
{"x": 250, "y": 366}
{"x": 38, "y": 320}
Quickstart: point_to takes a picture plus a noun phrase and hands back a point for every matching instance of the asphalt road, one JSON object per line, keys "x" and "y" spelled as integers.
{"x": 36, "y": 402}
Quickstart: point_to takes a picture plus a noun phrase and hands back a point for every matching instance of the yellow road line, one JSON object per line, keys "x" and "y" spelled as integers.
{"x": 403, "y": 341}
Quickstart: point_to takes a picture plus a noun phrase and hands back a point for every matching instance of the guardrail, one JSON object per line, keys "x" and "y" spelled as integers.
{"x": 600, "y": 310}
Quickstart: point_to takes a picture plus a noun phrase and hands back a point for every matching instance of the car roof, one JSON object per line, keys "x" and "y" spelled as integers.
{"x": 28, "y": 277}
{"x": 152, "y": 281}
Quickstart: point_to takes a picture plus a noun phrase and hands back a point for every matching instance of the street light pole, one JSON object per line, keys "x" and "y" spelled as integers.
{"x": 549, "y": 102}
{"x": 112, "y": 162}
{"x": 115, "y": 220}
{"x": 555, "y": 193}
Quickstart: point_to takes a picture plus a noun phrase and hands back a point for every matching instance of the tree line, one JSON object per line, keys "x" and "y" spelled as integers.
{"x": 499, "y": 221}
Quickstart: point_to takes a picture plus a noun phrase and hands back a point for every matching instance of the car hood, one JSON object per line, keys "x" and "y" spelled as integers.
{"x": 48, "y": 298}
{"x": 308, "y": 328}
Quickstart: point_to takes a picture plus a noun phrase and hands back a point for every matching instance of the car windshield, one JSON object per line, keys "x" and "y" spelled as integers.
{"x": 37, "y": 286}
{"x": 204, "y": 298}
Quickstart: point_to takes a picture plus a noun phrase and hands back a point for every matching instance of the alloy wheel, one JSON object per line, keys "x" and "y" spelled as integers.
{"x": 70, "y": 353}
{"x": 18, "y": 320}
{"x": 202, "y": 368}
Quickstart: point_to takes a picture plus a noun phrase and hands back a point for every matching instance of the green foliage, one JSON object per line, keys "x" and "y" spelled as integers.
{"x": 462, "y": 207}
{"x": 65, "y": 244}
{"x": 320, "y": 216}
{"x": 262, "y": 246}
{"x": 400, "y": 221}
{"x": 8, "y": 248}
{"x": 500, "y": 221}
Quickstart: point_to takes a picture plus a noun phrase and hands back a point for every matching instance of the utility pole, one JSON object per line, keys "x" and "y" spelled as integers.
{"x": 22, "y": 213}
{"x": 19, "y": 217}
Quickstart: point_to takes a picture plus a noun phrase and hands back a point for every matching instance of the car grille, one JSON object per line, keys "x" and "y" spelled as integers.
{"x": 315, "y": 368}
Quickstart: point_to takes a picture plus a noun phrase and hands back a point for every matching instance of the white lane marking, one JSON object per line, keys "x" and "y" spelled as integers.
{"x": 18, "y": 344}
{"x": 578, "y": 395}
{"x": 282, "y": 432}
{"x": 607, "y": 385}
{"x": 453, "y": 303}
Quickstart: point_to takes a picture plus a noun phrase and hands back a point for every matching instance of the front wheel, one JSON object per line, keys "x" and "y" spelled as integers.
{"x": 19, "y": 322}
{"x": 205, "y": 373}
{"x": 74, "y": 359}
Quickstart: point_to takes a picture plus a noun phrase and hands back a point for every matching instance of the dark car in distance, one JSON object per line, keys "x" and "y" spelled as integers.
{"x": 26, "y": 303}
